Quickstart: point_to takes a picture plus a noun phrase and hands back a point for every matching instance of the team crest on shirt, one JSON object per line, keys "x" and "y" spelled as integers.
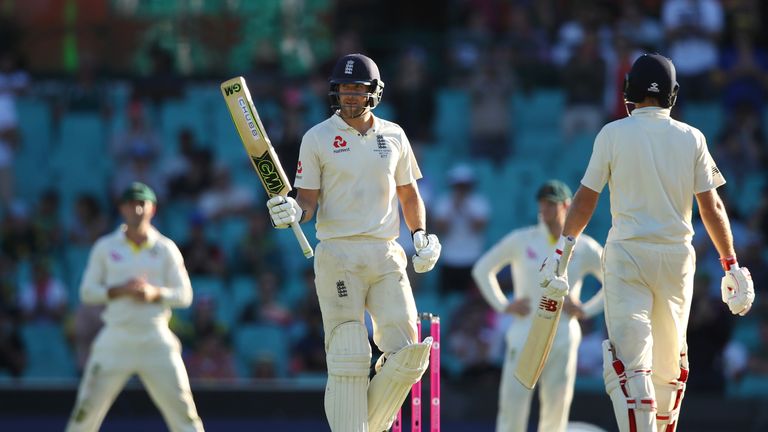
{"x": 339, "y": 145}
{"x": 381, "y": 147}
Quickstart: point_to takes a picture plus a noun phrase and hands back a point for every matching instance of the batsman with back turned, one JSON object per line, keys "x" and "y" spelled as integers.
{"x": 654, "y": 166}
{"x": 353, "y": 170}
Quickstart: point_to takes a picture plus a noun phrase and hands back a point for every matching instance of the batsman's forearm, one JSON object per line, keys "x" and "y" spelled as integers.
{"x": 414, "y": 212}
{"x": 580, "y": 212}
{"x": 718, "y": 225}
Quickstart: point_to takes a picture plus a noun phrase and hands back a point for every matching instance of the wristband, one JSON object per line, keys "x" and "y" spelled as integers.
{"x": 417, "y": 230}
{"x": 728, "y": 262}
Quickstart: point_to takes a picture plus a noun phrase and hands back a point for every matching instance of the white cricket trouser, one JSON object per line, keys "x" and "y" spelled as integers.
{"x": 555, "y": 385}
{"x": 153, "y": 353}
{"x": 355, "y": 274}
{"x": 648, "y": 290}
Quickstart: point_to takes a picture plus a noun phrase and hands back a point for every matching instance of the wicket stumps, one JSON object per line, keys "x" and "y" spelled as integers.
{"x": 434, "y": 381}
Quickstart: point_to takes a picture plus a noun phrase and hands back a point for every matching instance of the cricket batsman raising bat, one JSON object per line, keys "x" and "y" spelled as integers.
{"x": 543, "y": 325}
{"x": 259, "y": 147}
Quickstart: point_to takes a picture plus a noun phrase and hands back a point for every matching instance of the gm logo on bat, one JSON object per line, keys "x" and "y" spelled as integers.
{"x": 265, "y": 166}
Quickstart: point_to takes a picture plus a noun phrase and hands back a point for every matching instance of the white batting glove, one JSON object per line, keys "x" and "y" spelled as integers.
{"x": 736, "y": 287}
{"x": 427, "y": 251}
{"x": 554, "y": 277}
{"x": 283, "y": 211}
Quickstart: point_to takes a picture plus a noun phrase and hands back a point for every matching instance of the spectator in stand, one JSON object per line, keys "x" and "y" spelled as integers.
{"x": 13, "y": 356}
{"x": 693, "y": 30}
{"x": 743, "y": 73}
{"x": 618, "y": 66}
{"x": 17, "y": 236}
{"x": 255, "y": 257}
{"x": 86, "y": 92}
{"x": 163, "y": 81}
{"x": 49, "y": 233}
{"x": 139, "y": 139}
{"x": 203, "y": 323}
{"x": 461, "y": 217}
{"x": 583, "y": 78}
{"x": 212, "y": 359}
{"x": 140, "y": 167}
{"x": 203, "y": 257}
{"x": 225, "y": 198}
{"x": 529, "y": 47}
{"x": 44, "y": 297}
{"x": 413, "y": 95}
{"x": 741, "y": 151}
{"x": 757, "y": 362}
{"x": 90, "y": 222}
{"x": 266, "y": 308}
{"x": 642, "y": 29}
{"x": 191, "y": 171}
{"x": 471, "y": 340}
{"x": 490, "y": 88}
{"x": 14, "y": 80}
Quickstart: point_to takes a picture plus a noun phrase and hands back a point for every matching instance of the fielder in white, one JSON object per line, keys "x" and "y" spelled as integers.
{"x": 353, "y": 169}
{"x": 654, "y": 166}
{"x": 140, "y": 275}
{"x": 524, "y": 249}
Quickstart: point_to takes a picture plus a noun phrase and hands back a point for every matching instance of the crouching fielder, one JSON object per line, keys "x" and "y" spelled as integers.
{"x": 654, "y": 166}
{"x": 353, "y": 170}
{"x": 523, "y": 249}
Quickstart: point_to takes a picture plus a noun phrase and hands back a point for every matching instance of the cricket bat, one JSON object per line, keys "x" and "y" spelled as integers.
{"x": 542, "y": 334}
{"x": 259, "y": 147}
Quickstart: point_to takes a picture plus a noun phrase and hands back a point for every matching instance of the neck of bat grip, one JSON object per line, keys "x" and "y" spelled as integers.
{"x": 302, "y": 239}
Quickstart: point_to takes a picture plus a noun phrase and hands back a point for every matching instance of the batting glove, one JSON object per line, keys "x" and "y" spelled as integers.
{"x": 554, "y": 277}
{"x": 427, "y": 251}
{"x": 736, "y": 287}
{"x": 283, "y": 211}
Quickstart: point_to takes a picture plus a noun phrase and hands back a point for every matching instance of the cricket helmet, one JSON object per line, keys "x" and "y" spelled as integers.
{"x": 652, "y": 75}
{"x": 356, "y": 69}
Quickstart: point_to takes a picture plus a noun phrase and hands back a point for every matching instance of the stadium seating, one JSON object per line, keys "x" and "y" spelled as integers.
{"x": 254, "y": 343}
{"x": 48, "y": 355}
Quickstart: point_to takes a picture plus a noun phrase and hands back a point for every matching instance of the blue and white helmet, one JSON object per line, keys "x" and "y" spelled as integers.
{"x": 356, "y": 69}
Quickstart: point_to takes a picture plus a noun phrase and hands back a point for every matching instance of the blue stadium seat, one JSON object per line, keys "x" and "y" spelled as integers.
{"x": 451, "y": 126}
{"x": 243, "y": 291}
{"x": 254, "y": 342}
{"x": 541, "y": 109}
{"x": 48, "y": 355}
{"x": 707, "y": 117}
{"x": 32, "y": 159}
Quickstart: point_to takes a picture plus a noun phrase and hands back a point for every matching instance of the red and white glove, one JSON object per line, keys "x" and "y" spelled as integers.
{"x": 283, "y": 211}
{"x": 736, "y": 287}
{"x": 554, "y": 277}
{"x": 427, "y": 251}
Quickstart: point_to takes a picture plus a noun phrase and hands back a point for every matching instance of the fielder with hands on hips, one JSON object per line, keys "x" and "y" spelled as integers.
{"x": 522, "y": 249}
{"x": 654, "y": 166}
{"x": 139, "y": 274}
{"x": 353, "y": 169}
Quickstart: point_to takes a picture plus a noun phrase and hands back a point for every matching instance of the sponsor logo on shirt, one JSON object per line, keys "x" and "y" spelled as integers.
{"x": 115, "y": 256}
{"x": 531, "y": 254}
{"x": 341, "y": 288}
{"x": 381, "y": 147}
{"x": 299, "y": 168}
{"x": 715, "y": 171}
{"x": 339, "y": 145}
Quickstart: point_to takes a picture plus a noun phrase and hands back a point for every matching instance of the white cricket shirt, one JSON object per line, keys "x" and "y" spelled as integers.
{"x": 357, "y": 176}
{"x": 524, "y": 250}
{"x": 114, "y": 260}
{"x": 654, "y": 165}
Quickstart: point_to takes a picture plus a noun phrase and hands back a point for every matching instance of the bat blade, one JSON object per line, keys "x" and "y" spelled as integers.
{"x": 534, "y": 355}
{"x": 258, "y": 146}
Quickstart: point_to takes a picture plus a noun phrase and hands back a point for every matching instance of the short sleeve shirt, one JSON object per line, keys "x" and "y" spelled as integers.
{"x": 653, "y": 165}
{"x": 357, "y": 176}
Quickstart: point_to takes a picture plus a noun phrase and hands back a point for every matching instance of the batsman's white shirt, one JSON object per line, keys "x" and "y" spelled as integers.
{"x": 524, "y": 250}
{"x": 135, "y": 339}
{"x": 357, "y": 176}
{"x": 653, "y": 165}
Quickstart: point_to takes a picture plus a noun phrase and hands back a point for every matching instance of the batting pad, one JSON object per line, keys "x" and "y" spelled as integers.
{"x": 349, "y": 361}
{"x": 631, "y": 393}
{"x": 391, "y": 384}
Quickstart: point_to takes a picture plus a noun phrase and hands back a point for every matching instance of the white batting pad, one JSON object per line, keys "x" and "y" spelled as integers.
{"x": 349, "y": 361}
{"x": 391, "y": 384}
{"x": 631, "y": 394}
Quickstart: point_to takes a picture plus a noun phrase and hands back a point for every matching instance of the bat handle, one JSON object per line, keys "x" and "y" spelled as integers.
{"x": 302, "y": 239}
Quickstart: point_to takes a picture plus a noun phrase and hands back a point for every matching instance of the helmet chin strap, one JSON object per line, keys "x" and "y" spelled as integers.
{"x": 359, "y": 114}
{"x": 627, "y": 104}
